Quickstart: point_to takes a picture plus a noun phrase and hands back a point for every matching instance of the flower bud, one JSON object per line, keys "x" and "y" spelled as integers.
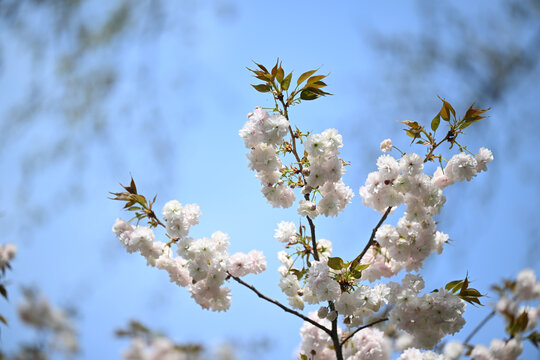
{"x": 386, "y": 145}
{"x": 323, "y": 312}
{"x": 306, "y": 171}
{"x": 332, "y": 315}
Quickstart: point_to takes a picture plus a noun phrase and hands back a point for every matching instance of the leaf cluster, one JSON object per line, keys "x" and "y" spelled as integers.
{"x": 516, "y": 323}
{"x": 461, "y": 289}
{"x": 455, "y": 126}
{"x": 136, "y": 329}
{"x": 308, "y": 86}
{"x": 3, "y": 290}
{"x": 138, "y": 204}
{"x": 347, "y": 273}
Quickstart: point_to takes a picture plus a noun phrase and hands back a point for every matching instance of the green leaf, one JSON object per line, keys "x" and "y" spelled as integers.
{"x": 275, "y": 69}
{"x": 280, "y": 74}
{"x": 453, "y": 284}
{"x": 435, "y": 122}
{"x": 446, "y": 110}
{"x": 132, "y": 187}
{"x": 336, "y": 263}
{"x": 534, "y": 338}
{"x": 314, "y": 79}
{"x": 304, "y": 76}
{"x": 317, "y": 84}
{"x": 316, "y": 91}
{"x": 261, "y": 67}
{"x": 361, "y": 267}
{"x": 286, "y": 82}
{"x": 298, "y": 273}
{"x": 303, "y": 357}
{"x": 470, "y": 292}
{"x": 3, "y": 291}
{"x": 262, "y": 88}
{"x": 522, "y": 321}
{"x": 308, "y": 95}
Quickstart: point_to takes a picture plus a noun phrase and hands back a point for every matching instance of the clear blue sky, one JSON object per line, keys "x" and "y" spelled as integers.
{"x": 177, "y": 134}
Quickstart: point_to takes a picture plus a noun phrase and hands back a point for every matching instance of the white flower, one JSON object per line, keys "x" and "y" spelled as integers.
{"x": 347, "y": 304}
{"x": 483, "y": 157}
{"x": 315, "y": 144}
{"x": 286, "y": 232}
{"x": 386, "y": 145}
{"x": 453, "y": 350}
{"x": 8, "y": 252}
{"x": 388, "y": 167}
{"x": 285, "y": 259}
{"x": 275, "y": 127}
{"x": 172, "y": 210}
{"x": 289, "y": 285}
{"x": 527, "y": 287}
{"x": 461, "y": 167}
{"x": 307, "y": 208}
{"x": 333, "y": 140}
{"x": 263, "y": 158}
{"x": 296, "y": 302}
{"x": 411, "y": 164}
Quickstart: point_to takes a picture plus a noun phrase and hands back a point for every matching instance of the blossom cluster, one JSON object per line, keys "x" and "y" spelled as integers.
{"x": 403, "y": 181}
{"x": 426, "y": 320}
{"x": 429, "y": 317}
{"x": 156, "y": 348}
{"x": 325, "y": 173}
{"x": 7, "y": 253}
{"x": 202, "y": 265}
{"x": 520, "y": 317}
{"x": 309, "y": 273}
{"x": 263, "y": 134}
{"x": 37, "y": 312}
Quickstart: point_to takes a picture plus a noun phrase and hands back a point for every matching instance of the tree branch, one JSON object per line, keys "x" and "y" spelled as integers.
{"x": 428, "y": 156}
{"x": 479, "y": 326}
{"x": 306, "y": 196}
{"x": 277, "y": 303}
{"x": 313, "y": 240}
{"x": 371, "y": 239}
{"x": 360, "y": 328}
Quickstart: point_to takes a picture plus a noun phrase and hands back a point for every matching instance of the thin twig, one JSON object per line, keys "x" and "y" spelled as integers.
{"x": 313, "y": 240}
{"x": 360, "y": 328}
{"x": 277, "y": 303}
{"x": 477, "y": 328}
{"x": 372, "y": 238}
{"x": 428, "y": 156}
{"x": 295, "y": 153}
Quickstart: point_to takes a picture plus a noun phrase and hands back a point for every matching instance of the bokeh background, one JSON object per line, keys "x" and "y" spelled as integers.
{"x": 92, "y": 92}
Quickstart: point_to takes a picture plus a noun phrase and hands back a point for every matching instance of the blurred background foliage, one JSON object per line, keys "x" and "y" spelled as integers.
{"x": 91, "y": 91}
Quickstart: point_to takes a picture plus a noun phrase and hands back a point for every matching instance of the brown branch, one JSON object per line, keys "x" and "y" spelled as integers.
{"x": 313, "y": 240}
{"x": 306, "y": 196}
{"x": 360, "y": 328}
{"x": 277, "y": 303}
{"x": 479, "y": 326}
{"x": 152, "y": 215}
{"x": 372, "y": 238}
{"x": 428, "y": 156}
{"x": 338, "y": 347}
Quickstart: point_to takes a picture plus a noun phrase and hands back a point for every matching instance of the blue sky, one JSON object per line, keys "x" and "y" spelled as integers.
{"x": 172, "y": 123}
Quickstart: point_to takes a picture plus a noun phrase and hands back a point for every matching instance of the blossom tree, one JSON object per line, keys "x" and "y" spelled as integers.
{"x": 359, "y": 315}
